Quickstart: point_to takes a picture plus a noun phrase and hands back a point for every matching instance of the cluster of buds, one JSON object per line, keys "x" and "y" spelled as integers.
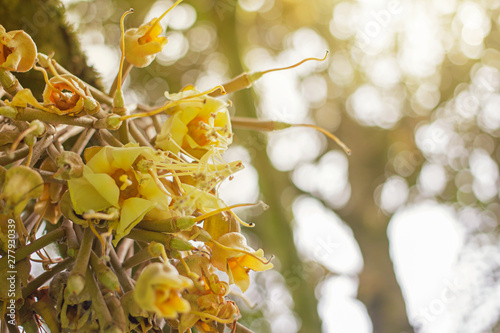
{"x": 144, "y": 238}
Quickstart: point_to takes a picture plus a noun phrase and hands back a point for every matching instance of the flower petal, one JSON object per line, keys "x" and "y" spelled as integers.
{"x": 124, "y": 157}
{"x": 132, "y": 212}
{"x": 100, "y": 161}
{"x": 104, "y": 185}
{"x": 253, "y": 263}
{"x": 85, "y": 196}
{"x": 239, "y": 275}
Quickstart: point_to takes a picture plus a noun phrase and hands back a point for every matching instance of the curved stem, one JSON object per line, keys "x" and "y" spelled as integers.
{"x": 46, "y": 276}
{"x": 76, "y": 279}
{"x": 124, "y": 279}
{"x": 153, "y": 250}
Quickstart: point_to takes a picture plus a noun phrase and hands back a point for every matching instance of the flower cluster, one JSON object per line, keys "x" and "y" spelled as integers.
{"x": 145, "y": 240}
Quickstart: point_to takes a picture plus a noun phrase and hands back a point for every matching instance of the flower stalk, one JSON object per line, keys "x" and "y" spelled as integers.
{"x": 76, "y": 280}
{"x": 152, "y": 251}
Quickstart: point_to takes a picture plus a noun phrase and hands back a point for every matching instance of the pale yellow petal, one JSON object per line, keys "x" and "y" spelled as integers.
{"x": 149, "y": 189}
{"x": 105, "y": 186}
{"x": 240, "y": 276}
{"x": 124, "y": 157}
{"x": 100, "y": 161}
{"x": 172, "y": 130}
{"x": 85, "y": 196}
{"x": 25, "y": 97}
{"x": 132, "y": 212}
{"x": 253, "y": 263}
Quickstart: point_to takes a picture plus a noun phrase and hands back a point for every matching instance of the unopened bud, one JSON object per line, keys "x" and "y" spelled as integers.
{"x": 8, "y": 111}
{"x": 90, "y": 105}
{"x": 113, "y": 122}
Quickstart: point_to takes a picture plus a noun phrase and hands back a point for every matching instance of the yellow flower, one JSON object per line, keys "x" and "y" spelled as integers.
{"x": 17, "y": 50}
{"x": 197, "y": 125}
{"x": 119, "y": 179}
{"x": 63, "y": 95}
{"x": 158, "y": 290}
{"x": 63, "y": 98}
{"x": 236, "y": 258}
{"x": 143, "y": 43}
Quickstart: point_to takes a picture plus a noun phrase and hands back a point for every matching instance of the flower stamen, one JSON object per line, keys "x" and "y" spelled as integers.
{"x": 228, "y": 208}
{"x": 126, "y": 182}
{"x": 171, "y": 104}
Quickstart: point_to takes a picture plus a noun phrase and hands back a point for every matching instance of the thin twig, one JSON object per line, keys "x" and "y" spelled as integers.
{"x": 18, "y": 154}
{"x": 44, "y": 277}
{"x": 138, "y": 136}
{"x": 242, "y": 329}
{"x": 124, "y": 279}
{"x": 71, "y": 132}
{"x": 48, "y": 177}
{"x": 109, "y": 138}
{"x": 30, "y": 114}
{"x": 82, "y": 141}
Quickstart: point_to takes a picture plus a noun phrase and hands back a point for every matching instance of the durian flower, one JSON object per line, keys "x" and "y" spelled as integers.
{"x": 206, "y": 297}
{"x": 197, "y": 125}
{"x": 143, "y": 43}
{"x": 158, "y": 290}
{"x": 120, "y": 180}
{"x": 67, "y": 95}
{"x": 236, "y": 258}
{"x": 63, "y": 95}
{"x": 17, "y": 50}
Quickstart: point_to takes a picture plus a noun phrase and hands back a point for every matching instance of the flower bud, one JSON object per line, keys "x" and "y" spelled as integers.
{"x": 8, "y": 111}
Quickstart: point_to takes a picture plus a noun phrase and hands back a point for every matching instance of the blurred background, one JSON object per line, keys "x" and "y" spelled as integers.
{"x": 402, "y": 235}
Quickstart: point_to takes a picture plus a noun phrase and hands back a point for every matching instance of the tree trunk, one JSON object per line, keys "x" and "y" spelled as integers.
{"x": 378, "y": 287}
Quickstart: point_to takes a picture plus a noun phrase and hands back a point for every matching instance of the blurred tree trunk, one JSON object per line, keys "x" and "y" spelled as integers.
{"x": 378, "y": 287}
